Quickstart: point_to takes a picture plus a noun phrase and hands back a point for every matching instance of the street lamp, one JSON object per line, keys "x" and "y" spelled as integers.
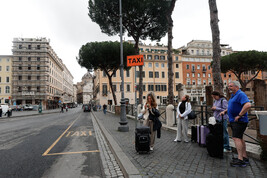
{"x": 123, "y": 122}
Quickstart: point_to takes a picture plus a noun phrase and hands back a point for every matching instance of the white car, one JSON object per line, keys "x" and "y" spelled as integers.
{"x": 4, "y": 108}
{"x": 27, "y": 107}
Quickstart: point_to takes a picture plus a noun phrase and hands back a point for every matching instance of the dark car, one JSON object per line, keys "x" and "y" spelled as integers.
{"x": 86, "y": 108}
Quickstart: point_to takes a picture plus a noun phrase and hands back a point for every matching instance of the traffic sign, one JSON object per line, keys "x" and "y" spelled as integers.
{"x": 59, "y": 101}
{"x": 135, "y": 60}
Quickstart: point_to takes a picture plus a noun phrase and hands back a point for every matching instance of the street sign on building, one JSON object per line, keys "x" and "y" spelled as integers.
{"x": 135, "y": 60}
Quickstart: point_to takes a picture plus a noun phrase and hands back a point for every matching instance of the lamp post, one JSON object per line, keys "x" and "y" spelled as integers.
{"x": 123, "y": 122}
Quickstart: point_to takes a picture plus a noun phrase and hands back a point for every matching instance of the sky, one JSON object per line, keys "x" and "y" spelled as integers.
{"x": 67, "y": 24}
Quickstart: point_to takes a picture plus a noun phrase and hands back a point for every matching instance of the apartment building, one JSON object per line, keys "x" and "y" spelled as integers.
{"x": 67, "y": 86}
{"x": 196, "y": 60}
{"x": 5, "y": 79}
{"x": 155, "y": 78}
{"x": 37, "y": 73}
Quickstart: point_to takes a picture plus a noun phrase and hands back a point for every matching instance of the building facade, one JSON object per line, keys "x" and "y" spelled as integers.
{"x": 85, "y": 89}
{"x": 6, "y": 79}
{"x": 155, "y": 78}
{"x": 67, "y": 86}
{"x": 37, "y": 73}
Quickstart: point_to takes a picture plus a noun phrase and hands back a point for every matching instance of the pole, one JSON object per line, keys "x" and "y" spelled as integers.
{"x": 123, "y": 122}
{"x": 135, "y": 97}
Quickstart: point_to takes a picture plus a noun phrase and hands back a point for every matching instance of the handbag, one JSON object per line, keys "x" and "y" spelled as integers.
{"x": 192, "y": 115}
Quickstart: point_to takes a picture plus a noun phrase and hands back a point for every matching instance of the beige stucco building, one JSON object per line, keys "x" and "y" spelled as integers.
{"x": 155, "y": 78}
{"x": 5, "y": 79}
{"x": 85, "y": 89}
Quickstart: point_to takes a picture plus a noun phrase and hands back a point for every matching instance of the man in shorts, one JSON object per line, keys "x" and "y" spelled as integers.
{"x": 238, "y": 105}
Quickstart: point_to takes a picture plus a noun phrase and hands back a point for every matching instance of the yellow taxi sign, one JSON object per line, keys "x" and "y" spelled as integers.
{"x": 135, "y": 60}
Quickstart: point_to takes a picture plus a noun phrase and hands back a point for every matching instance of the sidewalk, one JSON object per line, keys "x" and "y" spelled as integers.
{"x": 170, "y": 159}
{"x": 32, "y": 113}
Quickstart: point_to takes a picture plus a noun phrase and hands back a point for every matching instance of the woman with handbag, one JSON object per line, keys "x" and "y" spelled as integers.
{"x": 148, "y": 108}
{"x": 183, "y": 109}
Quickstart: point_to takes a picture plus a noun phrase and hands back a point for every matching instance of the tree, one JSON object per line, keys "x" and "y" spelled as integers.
{"x": 244, "y": 61}
{"x": 216, "y": 68}
{"x": 141, "y": 19}
{"x": 170, "y": 62}
{"x": 106, "y": 57}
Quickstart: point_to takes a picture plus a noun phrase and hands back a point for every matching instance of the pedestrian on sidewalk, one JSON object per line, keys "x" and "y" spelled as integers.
{"x": 147, "y": 108}
{"x": 183, "y": 109}
{"x": 1, "y": 111}
{"x": 220, "y": 104}
{"x": 105, "y": 108}
{"x": 238, "y": 106}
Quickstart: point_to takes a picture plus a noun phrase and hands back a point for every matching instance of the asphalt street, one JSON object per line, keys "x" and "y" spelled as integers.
{"x": 52, "y": 145}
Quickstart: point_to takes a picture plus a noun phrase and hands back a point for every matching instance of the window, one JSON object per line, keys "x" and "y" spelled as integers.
{"x": 115, "y": 74}
{"x": 176, "y": 58}
{"x": 127, "y": 73}
{"x": 199, "y": 81}
{"x": 29, "y": 77}
{"x": 157, "y": 87}
{"x": 150, "y": 87}
{"x": 29, "y": 58}
{"x": 149, "y": 57}
{"x": 198, "y": 66}
{"x": 20, "y": 46}
{"x": 156, "y": 74}
{"x": 253, "y": 72}
{"x": 229, "y": 75}
{"x": 187, "y": 75}
{"x": 29, "y": 88}
{"x": 20, "y": 67}
{"x": 38, "y": 58}
{"x": 38, "y": 67}
{"x": 0, "y": 79}
{"x": 193, "y": 74}
{"x": 7, "y": 89}
{"x": 162, "y": 57}
{"x": 192, "y": 51}
{"x": 204, "y": 75}
{"x": 177, "y": 65}
{"x": 156, "y": 57}
{"x": 114, "y": 88}
{"x": 38, "y": 47}
{"x": 38, "y": 89}
{"x": 150, "y": 74}
{"x": 7, "y": 68}
{"x": 224, "y": 75}
{"x": 150, "y": 64}
{"x": 0, "y": 92}
{"x": 19, "y": 89}
{"x": 128, "y": 87}
{"x": 176, "y": 74}
{"x": 204, "y": 82}
{"x": 7, "y": 79}
{"x": 29, "y": 46}
{"x": 209, "y": 75}
{"x": 20, "y": 77}
{"x": 162, "y": 65}
{"x": 163, "y": 87}
{"x": 157, "y": 64}
{"x": 187, "y": 66}
{"x": 29, "y": 67}
{"x": 104, "y": 74}
{"x": 209, "y": 67}
{"x": 138, "y": 74}
{"x": 38, "y": 77}
{"x": 193, "y": 67}
{"x": 193, "y": 82}
{"x": 163, "y": 74}
{"x": 105, "y": 89}
{"x": 198, "y": 75}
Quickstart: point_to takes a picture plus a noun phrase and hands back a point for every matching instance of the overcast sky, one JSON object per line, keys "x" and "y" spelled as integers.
{"x": 67, "y": 24}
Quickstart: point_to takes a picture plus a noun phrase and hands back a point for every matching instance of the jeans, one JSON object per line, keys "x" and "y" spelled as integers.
{"x": 225, "y": 136}
{"x": 105, "y": 110}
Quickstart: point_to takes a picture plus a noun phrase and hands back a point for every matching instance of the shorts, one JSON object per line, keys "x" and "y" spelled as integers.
{"x": 238, "y": 129}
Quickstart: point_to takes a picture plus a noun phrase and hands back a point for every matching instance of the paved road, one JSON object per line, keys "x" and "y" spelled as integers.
{"x": 53, "y": 145}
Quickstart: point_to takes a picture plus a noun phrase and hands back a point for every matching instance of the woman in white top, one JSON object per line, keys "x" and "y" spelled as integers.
{"x": 183, "y": 109}
{"x": 150, "y": 103}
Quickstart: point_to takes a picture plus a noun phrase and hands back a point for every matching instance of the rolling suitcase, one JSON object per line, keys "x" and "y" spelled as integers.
{"x": 202, "y": 132}
{"x": 214, "y": 140}
{"x": 142, "y": 139}
{"x": 194, "y": 133}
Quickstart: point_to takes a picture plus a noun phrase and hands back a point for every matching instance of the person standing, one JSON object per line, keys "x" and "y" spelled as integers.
{"x": 220, "y": 104}
{"x": 183, "y": 109}
{"x": 1, "y": 111}
{"x": 105, "y": 108}
{"x": 238, "y": 106}
{"x": 147, "y": 109}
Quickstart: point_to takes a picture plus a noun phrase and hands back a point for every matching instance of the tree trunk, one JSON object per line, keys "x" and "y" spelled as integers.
{"x": 170, "y": 61}
{"x": 111, "y": 87}
{"x": 216, "y": 66}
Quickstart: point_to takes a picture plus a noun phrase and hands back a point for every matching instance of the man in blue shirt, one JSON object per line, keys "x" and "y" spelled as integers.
{"x": 238, "y": 106}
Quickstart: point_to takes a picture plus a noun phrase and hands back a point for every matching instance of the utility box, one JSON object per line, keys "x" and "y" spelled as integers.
{"x": 262, "y": 116}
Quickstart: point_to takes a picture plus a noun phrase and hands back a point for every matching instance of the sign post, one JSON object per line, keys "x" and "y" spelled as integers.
{"x": 136, "y": 60}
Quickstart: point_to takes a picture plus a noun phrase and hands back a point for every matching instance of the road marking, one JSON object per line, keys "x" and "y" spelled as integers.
{"x": 83, "y": 133}
{"x": 79, "y": 152}
{"x": 50, "y": 148}
{"x": 90, "y": 133}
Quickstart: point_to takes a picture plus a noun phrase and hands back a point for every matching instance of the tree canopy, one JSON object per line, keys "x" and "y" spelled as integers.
{"x": 244, "y": 61}
{"x": 104, "y": 56}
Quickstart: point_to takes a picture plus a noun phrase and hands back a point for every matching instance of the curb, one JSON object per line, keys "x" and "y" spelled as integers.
{"x": 127, "y": 167}
{"x": 38, "y": 114}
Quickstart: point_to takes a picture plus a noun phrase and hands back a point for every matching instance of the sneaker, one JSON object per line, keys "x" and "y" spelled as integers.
{"x": 151, "y": 148}
{"x": 177, "y": 140}
{"x": 246, "y": 160}
{"x": 227, "y": 151}
{"x": 186, "y": 141}
{"x": 238, "y": 163}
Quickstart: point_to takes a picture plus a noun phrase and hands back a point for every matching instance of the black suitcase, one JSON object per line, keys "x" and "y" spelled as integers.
{"x": 194, "y": 133}
{"x": 214, "y": 140}
{"x": 142, "y": 139}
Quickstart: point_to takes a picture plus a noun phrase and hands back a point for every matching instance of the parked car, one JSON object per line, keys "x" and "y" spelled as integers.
{"x": 27, "y": 107}
{"x": 86, "y": 108}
